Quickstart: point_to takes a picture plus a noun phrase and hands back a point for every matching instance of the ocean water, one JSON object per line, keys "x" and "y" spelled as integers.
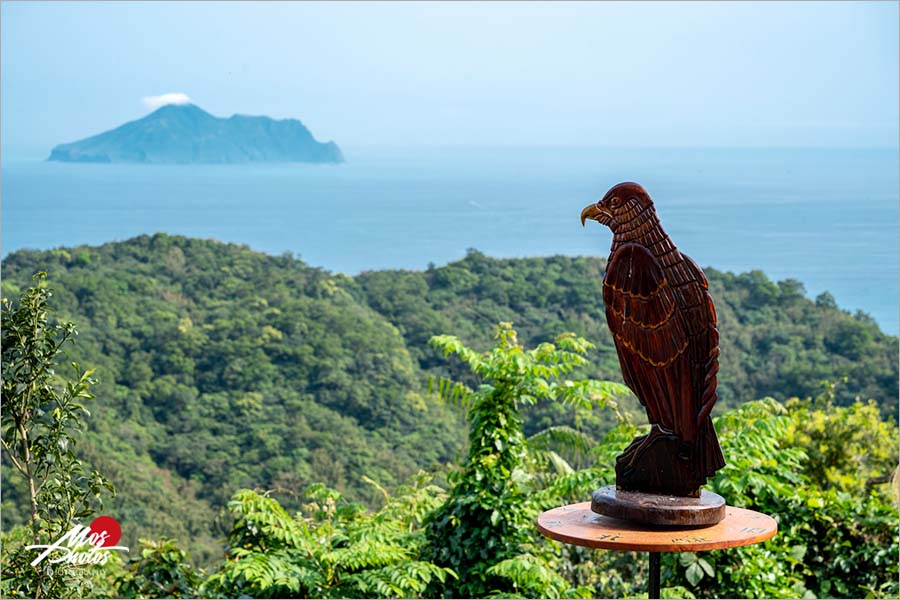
{"x": 828, "y": 218}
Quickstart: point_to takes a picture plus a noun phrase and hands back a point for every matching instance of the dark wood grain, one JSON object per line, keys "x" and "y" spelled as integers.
{"x": 677, "y": 511}
{"x": 663, "y": 322}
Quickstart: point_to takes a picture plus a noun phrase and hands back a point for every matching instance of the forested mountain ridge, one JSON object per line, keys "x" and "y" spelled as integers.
{"x": 774, "y": 341}
{"x": 223, "y": 368}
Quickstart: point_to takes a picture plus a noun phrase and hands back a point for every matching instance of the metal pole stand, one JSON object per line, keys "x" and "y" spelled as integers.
{"x": 655, "y": 567}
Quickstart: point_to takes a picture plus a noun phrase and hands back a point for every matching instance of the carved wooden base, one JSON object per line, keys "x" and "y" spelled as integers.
{"x": 655, "y": 509}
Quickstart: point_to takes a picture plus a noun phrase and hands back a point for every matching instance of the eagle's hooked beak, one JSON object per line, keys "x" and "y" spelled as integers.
{"x": 595, "y": 212}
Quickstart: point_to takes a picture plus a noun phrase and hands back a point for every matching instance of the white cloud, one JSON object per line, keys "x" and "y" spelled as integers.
{"x": 154, "y": 102}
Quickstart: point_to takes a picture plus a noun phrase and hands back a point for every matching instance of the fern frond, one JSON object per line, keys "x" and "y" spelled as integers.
{"x": 561, "y": 437}
{"x": 532, "y": 575}
{"x": 451, "y": 391}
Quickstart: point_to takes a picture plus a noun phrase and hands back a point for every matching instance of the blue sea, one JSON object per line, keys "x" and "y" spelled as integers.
{"x": 828, "y": 218}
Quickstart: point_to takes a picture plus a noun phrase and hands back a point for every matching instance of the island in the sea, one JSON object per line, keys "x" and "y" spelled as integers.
{"x": 187, "y": 134}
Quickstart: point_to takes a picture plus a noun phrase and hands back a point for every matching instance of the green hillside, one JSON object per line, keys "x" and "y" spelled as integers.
{"x": 774, "y": 341}
{"x": 222, "y": 368}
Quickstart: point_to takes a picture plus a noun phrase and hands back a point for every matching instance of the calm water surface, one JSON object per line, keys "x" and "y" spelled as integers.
{"x": 826, "y": 217}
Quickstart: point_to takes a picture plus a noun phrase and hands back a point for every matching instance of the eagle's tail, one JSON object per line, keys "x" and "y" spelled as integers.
{"x": 709, "y": 452}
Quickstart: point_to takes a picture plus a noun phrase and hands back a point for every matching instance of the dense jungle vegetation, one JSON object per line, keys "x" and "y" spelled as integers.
{"x": 221, "y": 371}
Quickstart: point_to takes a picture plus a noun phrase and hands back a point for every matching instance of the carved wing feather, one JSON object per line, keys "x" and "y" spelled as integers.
{"x": 663, "y": 322}
{"x": 641, "y": 308}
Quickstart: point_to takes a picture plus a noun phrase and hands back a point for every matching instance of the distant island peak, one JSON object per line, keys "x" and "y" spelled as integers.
{"x": 187, "y": 134}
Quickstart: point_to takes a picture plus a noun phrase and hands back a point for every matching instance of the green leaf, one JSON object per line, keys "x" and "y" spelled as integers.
{"x": 694, "y": 573}
{"x": 687, "y": 558}
{"x": 815, "y": 502}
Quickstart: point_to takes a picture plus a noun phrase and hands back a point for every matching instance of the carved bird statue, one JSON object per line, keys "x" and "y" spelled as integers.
{"x": 663, "y": 322}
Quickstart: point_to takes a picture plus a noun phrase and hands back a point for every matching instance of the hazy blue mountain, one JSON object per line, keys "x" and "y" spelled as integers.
{"x": 188, "y": 134}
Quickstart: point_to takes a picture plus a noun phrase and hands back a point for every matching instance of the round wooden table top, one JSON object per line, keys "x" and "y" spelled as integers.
{"x": 577, "y": 524}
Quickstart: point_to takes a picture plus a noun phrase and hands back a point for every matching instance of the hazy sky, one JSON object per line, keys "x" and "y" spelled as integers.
{"x": 369, "y": 74}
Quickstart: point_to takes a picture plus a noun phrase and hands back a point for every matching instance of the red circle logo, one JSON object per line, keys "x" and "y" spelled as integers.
{"x": 110, "y": 526}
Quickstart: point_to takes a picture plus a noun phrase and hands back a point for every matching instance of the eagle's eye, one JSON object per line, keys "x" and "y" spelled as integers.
{"x": 616, "y": 202}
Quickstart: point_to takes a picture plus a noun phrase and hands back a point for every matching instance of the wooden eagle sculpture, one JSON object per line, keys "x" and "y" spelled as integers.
{"x": 663, "y": 321}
